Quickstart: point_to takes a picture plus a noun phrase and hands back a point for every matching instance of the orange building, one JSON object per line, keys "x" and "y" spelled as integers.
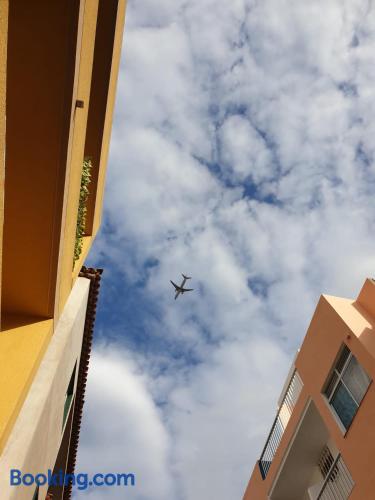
{"x": 59, "y": 62}
{"x": 322, "y": 442}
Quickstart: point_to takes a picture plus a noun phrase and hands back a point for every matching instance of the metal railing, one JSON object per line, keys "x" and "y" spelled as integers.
{"x": 282, "y": 418}
{"x": 338, "y": 484}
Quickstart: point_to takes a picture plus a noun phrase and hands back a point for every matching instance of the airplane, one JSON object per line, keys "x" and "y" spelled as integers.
{"x": 181, "y": 289}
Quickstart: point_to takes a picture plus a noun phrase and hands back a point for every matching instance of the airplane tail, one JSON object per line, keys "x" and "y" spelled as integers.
{"x": 186, "y": 277}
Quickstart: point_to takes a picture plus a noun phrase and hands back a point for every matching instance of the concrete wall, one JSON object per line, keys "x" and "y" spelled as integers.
{"x": 36, "y": 436}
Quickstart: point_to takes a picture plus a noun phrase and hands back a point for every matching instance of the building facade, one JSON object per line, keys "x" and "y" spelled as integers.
{"x": 59, "y": 63}
{"x": 322, "y": 442}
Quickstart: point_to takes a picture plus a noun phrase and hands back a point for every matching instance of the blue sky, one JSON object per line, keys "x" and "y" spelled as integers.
{"x": 242, "y": 154}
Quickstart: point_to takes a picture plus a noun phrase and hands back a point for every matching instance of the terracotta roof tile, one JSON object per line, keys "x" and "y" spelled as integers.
{"x": 94, "y": 275}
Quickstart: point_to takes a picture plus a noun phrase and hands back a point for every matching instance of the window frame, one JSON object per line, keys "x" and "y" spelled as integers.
{"x": 69, "y": 396}
{"x": 340, "y": 379}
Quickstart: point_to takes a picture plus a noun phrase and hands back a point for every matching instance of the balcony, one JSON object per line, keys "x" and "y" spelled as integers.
{"x": 286, "y": 407}
{"x": 312, "y": 468}
{"x": 338, "y": 483}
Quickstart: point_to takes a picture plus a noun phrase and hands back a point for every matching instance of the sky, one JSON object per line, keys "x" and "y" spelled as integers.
{"x": 242, "y": 154}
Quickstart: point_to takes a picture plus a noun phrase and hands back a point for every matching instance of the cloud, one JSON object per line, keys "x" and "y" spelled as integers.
{"x": 242, "y": 154}
{"x": 210, "y": 460}
{"x": 124, "y": 431}
{"x": 244, "y": 151}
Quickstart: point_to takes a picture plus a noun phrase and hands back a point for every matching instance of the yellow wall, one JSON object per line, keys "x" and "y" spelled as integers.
{"x": 21, "y": 350}
{"x": 111, "y": 17}
{"x": 3, "y": 62}
{"x": 50, "y": 60}
{"x": 98, "y": 90}
{"x": 48, "y": 72}
{"x": 36, "y": 436}
{"x": 40, "y": 77}
{"x": 76, "y": 153}
{"x": 109, "y": 114}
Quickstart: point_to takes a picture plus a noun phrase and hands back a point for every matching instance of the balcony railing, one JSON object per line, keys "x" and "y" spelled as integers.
{"x": 338, "y": 484}
{"x": 282, "y": 418}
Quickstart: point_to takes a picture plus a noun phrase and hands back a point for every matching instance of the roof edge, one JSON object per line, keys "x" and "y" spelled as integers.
{"x": 94, "y": 275}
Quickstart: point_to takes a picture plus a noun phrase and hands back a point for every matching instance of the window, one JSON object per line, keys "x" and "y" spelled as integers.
{"x": 346, "y": 386}
{"x": 69, "y": 395}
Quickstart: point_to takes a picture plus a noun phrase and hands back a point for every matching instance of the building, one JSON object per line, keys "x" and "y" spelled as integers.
{"x": 59, "y": 63}
{"x": 322, "y": 442}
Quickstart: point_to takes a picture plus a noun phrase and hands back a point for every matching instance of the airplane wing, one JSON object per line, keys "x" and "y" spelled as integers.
{"x": 174, "y": 284}
{"x": 188, "y": 289}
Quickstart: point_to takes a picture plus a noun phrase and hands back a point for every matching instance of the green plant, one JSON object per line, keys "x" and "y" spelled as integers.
{"x": 82, "y": 210}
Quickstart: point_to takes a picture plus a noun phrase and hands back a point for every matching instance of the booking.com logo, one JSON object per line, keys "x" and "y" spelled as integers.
{"x": 82, "y": 480}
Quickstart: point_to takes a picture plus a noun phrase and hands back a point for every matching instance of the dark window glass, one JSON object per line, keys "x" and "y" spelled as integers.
{"x": 342, "y": 359}
{"x": 331, "y": 384}
{"x": 344, "y": 405}
{"x": 69, "y": 395}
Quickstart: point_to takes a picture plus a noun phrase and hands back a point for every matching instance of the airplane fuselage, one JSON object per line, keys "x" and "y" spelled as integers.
{"x": 180, "y": 288}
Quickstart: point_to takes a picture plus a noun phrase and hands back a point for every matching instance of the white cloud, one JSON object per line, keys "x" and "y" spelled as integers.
{"x": 276, "y": 98}
{"x": 223, "y": 396}
{"x": 124, "y": 431}
{"x": 244, "y": 151}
